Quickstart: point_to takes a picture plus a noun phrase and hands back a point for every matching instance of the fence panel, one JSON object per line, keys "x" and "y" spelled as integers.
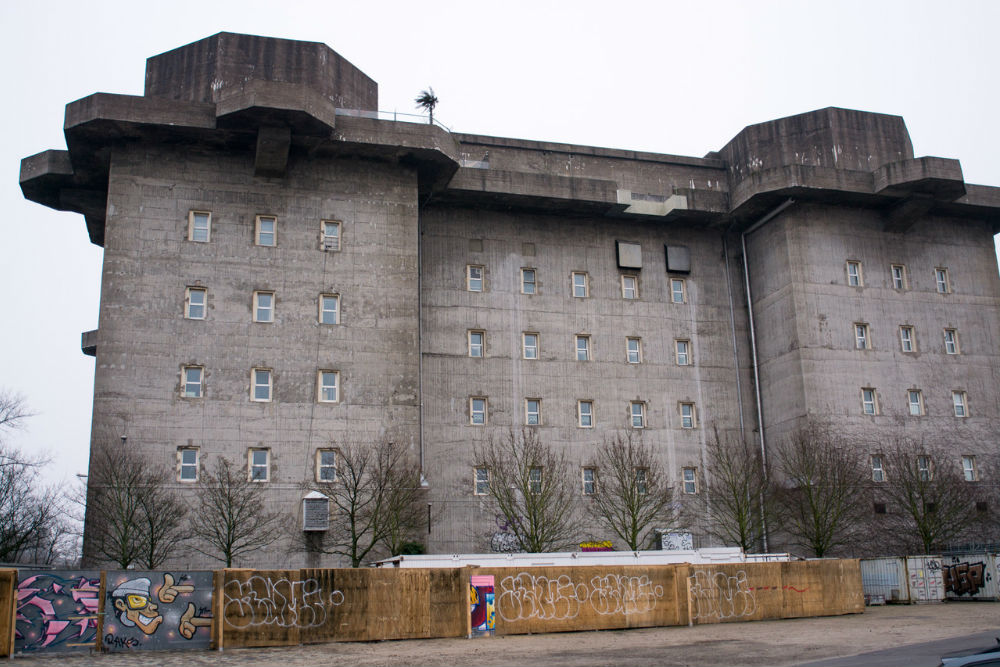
{"x": 57, "y": 610}
{"x": 157, "y": 610}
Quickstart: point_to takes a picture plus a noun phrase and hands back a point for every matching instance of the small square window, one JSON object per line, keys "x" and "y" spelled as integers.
{"x": 477, "y": 411}
{"x": 530, "y": 345}
{"x": 261, "y": 390}
{"x": 898, "y": 272}
{"x": 187, "y": 464}
{"x": 958, "y": 399}
{"x": 924, "y": 471}
{"x": 941, "y": 280}
{"x": 916, "y": 402}
{"x": 195, "y": 300}
{"x": 585, "y": 413}
{"x": 477, "y": 344}
{"x": 861, "y": 336}
{"x": 690, "y": 480}
{"x": 199, "y": 226}
{"x": 637, "y": 414}
{"x": 532, "y": 411}
{"x": 581, "y": 286}
{"x": 474, "y": 278}
{"x": 481, "y": 481}
{"x": 689, "y": 416}
{"x": 528, "y": 285}
{"x": 869, "y": 401}
{"x": 259, "y": 465}
{"x": 589, "y": 481}
{"x": 641, "y": 476}
{"x": 854, "y": 277}
{"x": 263, "y": 306}
{"x": 969, "y": 468}
{"x": 329, "y": 309}
{"x": 678, "y": 290}
{"x": 633, "y": 350}
{"x": 878, "y": 472}
{"x": 907, "y": 339}
{"x": 267, "y": 230}
{"x": 583, "y": 348}
{"x": 328, "y": 383}
{"x": 683, "y": 352}
{"x": 630, "y": 287}
{"x": 194, "y": 382}
{"x": 535, "y": 480}
{"x": 879, "y": 508}
{"x": 329, "y": 235}
{"x": 951, "y": 341}
{"x": 326, "y": 465}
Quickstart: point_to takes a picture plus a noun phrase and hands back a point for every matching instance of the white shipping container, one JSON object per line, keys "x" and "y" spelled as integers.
{"x": 925, "y": 578}
{"x": 703, "y": 556}
{"x": 885, "y": 577}
{"x": 971, "y": 576}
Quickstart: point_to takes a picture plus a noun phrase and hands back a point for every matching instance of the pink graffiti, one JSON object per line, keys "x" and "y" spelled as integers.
{"x": 42, "y": 593}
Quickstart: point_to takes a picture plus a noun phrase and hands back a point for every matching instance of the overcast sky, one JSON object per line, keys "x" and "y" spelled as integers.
{"x": 670, "y": 77}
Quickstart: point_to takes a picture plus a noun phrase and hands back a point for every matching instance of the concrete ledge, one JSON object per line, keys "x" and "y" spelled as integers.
{"x": 940, "y": 177}
{"x": 139, "y": 110}
{"x": 88, "y": 342}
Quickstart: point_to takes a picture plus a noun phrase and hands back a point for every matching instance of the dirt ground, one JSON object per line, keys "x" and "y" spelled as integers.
{"x": 787, "y": 642}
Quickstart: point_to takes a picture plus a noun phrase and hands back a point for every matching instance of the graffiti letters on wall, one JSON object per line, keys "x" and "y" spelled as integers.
{"x": 56, "y": 611}
{"x": 263, "y": 600}
{"x": 526, "y": 596}
{"x": 157, "y": 610}
{"x": 720, "y": 596}
{"x": 481, "y": 604}
{"x": 965, "y": 578}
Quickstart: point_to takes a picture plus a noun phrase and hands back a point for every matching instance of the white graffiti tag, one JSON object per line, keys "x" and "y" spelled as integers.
{"x": 280, "y": 602}
{"x": 525, "y": 596}
{"x": 721, "y": 596}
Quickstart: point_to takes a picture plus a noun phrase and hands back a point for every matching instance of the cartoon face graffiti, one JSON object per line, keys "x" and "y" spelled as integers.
{"x": 135, "y": 606}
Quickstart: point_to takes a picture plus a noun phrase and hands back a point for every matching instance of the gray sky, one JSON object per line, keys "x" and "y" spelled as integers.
{"x": 670, "y": 77}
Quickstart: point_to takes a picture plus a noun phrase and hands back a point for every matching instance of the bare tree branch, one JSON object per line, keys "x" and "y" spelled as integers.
{"x": 738, "y": 498}
{"x": 13, "y": 411}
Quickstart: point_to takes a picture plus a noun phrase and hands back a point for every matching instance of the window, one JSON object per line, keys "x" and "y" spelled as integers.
{"x": 474, "y": 278}
{"x": 633, "y": 350}
{"x": 641, "y": 476}
{"x": 898, "y": 272}
{"x": 329, "y": 235}
{"x": 583, "y": 348}
{"x": 951, "y": 341}
{"x": 589, "y": 481}
{"x": 477, "y": 410}
{"x": 941, "y": 280}
{"x": 854, "y": 277}
{"x": 689, "y": 417}
{"x": 194, "y": 303}
{"x": 630, "y": 287}
{"x": 682, "y": 350}
{"x": 637, "y": 414}
{"x": 535, "y": 480}
{"x": 861, "y": 336}
{"x": 476, "y": 342}
{"x": 878, "y": 472}
{"x": 329, "y": 386}
{"x": 689, "y": 477}
{"x": 869, "y": 401}
{"x": 969, "y": 468}
{"x": 585, "y": 413}
{"x": 187, "y": 464}
{"x": 532, "y": 411}
{"x": 199, "y": 226}
{"x": 259, "y": 467}
{"x": 678, "y": 290}
{"x": 530, "y": 345}
{"x": 580, "y": 285}
{"x": 907, "y": 339}
{"x": 916, "y": 402}
{"x": 267, "y": 230}
{"x": 482, "y": 481}
{"x": 878, "y": 508}
{"x": 193, "y": 382}
{"x": 528, "y": 281}
{"x": 329, "y": 309}
{"x": 924, "y": 468}
{"x": 326, "y": 465}
{"x": 958, "y": 398}
{"x": 261, "y": 390}
{"x": 263, "y": 306}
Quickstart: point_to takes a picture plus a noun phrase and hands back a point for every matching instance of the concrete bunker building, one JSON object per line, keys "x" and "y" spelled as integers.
{"x": 285, "y": 269}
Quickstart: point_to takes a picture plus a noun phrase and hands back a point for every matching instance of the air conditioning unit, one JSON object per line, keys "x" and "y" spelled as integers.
{"x": 315, "y": 512}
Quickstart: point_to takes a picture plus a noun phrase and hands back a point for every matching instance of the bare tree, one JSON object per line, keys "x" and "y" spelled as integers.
{"x": 633, "y": 490}
{"x": 931, "y": 502}
{"x": 530, "y": 484}
{"x": 231, "y": 519}
{"x": 427, "y": 100}
{"x": 738, "y": 498}
{"x": 31, "y": 515}
{"x": 375, "y": 502}
{"x": 13, "y": 411}
{"x": 823, "y": 498}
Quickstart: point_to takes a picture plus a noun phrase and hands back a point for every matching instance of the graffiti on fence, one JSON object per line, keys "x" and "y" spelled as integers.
{"x": 525, "y": 596}
{"x": 717, "y": 595}
{"x": 481, "y": 605}
{"x": 965, "y": 578}
{"x": 56, "y": 611}
{"x": 157, "y": 610}
{"x": 262, "y": 600}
